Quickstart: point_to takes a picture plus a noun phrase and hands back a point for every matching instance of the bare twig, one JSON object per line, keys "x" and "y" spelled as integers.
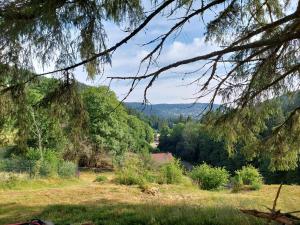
{"x": 275, "y": 215}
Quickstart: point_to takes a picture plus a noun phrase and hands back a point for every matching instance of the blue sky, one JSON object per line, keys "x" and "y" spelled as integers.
{"x": 172, "y": 86}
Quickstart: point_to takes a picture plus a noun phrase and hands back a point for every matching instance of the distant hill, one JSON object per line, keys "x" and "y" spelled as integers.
{"x": 170, "y": 110}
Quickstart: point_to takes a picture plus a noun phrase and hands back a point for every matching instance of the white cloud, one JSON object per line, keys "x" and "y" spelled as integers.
{"x": 170, "y": 87}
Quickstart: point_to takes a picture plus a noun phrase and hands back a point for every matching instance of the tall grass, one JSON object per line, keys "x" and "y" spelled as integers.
{"x": 146, "y": 214}
{"x": 21, "y": 181}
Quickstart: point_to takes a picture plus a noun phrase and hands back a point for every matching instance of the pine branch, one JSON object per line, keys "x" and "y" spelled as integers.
{"x": 231, "y": 49}
{"x": 176, "y": 26}
{"x": 117, "y": 45}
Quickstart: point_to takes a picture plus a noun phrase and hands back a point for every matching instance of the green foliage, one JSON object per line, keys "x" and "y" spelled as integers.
{"x": 198, "y": 143}
{"x": 137, "y": 170}
{"x": 259, "y": 133}
{"x": 110, "y": 127}
{"x": 101, "y": 179}
{"x": 237, "y": 184}
{"x": 171, "y": 173}
{"x": 60, "y": 32}
{"x": 66, "y": 169}
{"x": 36, "y": 163}
{"x": 256, "y": 185}
{"x": 35, "y": 22}
{"x": 49, "y": 164}
{"x": 209, "y": 178}
{"x": 128, "y": 177}
{"x": 132, "y": 171}
{"x": 248, "y": 175}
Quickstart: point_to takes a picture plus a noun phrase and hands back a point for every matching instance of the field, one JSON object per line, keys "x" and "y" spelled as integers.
{"x": 79, "y": 201}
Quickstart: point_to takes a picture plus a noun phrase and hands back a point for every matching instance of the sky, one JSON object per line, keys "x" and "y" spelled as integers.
{"x": 172, "y": 86}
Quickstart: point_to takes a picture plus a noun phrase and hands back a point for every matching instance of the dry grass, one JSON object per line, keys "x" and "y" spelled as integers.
{"x": 84, "y": 200}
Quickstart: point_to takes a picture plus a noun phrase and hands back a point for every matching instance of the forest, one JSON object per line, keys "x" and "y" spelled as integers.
{"x": 77, "y": 148}
{"x": 107, "y": 127}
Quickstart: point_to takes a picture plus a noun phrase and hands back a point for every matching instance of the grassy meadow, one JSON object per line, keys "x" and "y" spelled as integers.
{"x": 79, "y": 201}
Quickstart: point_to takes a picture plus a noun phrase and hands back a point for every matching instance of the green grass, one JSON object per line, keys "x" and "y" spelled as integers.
{"x": 36, "y": 184}
{"x": 86, "y": 201}
{"x": 109, "y": 213}
{"x": 21, "y": 181}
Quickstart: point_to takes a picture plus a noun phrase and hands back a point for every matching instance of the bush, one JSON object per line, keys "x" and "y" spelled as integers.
{"x": 237, "y": 184}
{"x": 135, "y": 170}
{"x": 100, "y": 179}
{"x": 67, "y": 169}
{"x": 171, "y": 173}
{"x": 33, "y": 154}
{"x": 129, "y": 177}
{"x": 249, "y": 175}
{"x": 15, "y": 163}
{"x": 209, "y": 178}
{"x": 35, "y": 168}
{"x": 45, "y": 164}
{"x": 48, "y": 164}
{"x": 132, "y": 171}
{"x": 256, "y": 185}
{"x": 2, "y": 165}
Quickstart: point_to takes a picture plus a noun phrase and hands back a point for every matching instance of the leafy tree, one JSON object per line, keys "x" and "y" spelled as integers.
{"x": 110, "y": 127}
{"x": 198, "y": 144}
{"x": 258, "y": 45}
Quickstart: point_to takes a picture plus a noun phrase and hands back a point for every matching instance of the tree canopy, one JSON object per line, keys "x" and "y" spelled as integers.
{"x": 106, "y": 126}
{"x": 258, "y": 44}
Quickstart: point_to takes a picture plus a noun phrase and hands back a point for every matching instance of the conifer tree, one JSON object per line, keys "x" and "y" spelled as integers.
{"x": 258, "y": 44}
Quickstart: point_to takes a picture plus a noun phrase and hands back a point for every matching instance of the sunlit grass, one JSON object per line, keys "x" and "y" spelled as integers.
{"x": 21, "y": 181}
{"x": 78, "y": 201}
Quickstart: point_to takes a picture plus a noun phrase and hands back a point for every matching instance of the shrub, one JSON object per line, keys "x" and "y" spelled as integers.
{"x": 14, "y": 164}
{"x": 67, "y": 169}
{"x": 256, "y": 185}
{"x": 100, "y": 179}
{"x": 2, "y": 165}
{"x": 47, "y": 169}
{"x": 131, "y": 172}
{"x": 171, "y": 173}
{"x": 209, "y": 178}
{"x": 249, "y": 175}
{"x": 49, "y": 164}
{"x": 237, "y": 184}
{"x": 129, "y": 177}
{"x": 33, "y": 154}
{"x": 35, "y": 168}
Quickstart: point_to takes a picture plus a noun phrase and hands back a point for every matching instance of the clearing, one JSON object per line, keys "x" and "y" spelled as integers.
{"x": 81, "y": 201}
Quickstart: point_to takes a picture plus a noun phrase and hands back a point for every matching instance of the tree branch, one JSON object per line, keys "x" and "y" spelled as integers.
{"x": 256, "y": 44}
{"x": 117, "y": 45}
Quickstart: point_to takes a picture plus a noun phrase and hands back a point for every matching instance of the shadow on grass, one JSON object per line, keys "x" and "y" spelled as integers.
{"x": 112, "y": 213}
